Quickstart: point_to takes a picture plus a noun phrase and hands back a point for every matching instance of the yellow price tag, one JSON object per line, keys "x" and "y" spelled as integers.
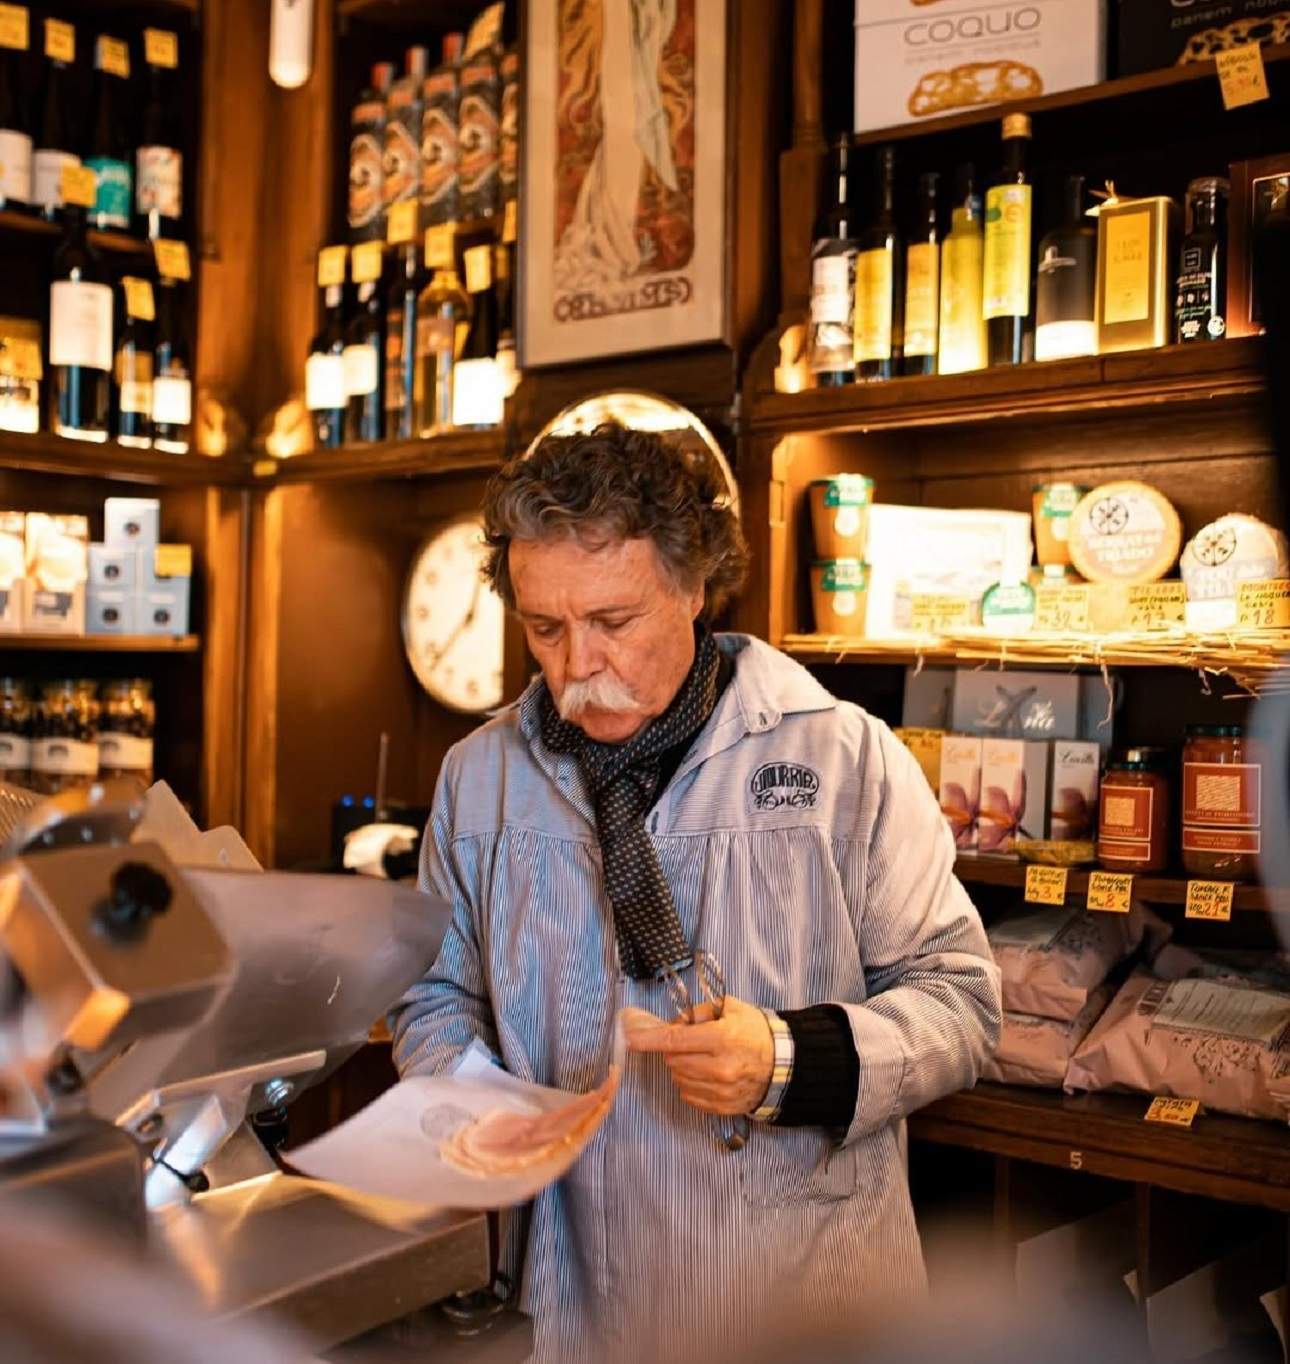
{"x": 15, "y": 27}
{"x": 402, "y": 224}
{"x": 160, "y": 47}
{"x": 114, "y": 56}
{"x": 1209, "y": 900}
{"x": 1241, "y": 76}
{"x": 1156, "y": 606}
{"x": 511, "y": 221}
{"x": 366, "y": 262}
{"x": 264, "y": 468}
{"x": 20, "y": 358}
{"x": 60, "y": 41}
{"x": 1061, "y": 609}
{"x": 1173, "y": 1112}
{"x": 78, "y": 185}
{"x": 172, "y": 259}
{"x": 331, "y": 266}
{"x": 139, "y": 301}
{"x": 439, "y": 246}
{"x": 933, "y": 614}
{"x": 172, "y": 561}
{"x": 1046, "y": 885}
{"x": 479, "y": 269}
{"x": 1263, "y": 605}
{"x": 1110, "y": 892}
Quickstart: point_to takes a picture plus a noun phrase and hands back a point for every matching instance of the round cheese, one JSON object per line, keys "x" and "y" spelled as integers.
{"x": 1125, "y": 532}
{"x": 1233, "y": 550}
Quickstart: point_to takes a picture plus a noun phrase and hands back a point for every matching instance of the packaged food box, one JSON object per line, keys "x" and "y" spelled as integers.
{"x": 1153, "y": 33}
{"x": 13, "y": 569}
{"x": 1077, "y": 764}
{"x": 57, "y": 550}
{"x": 961, "y": 787}
{"x": 1014, "y": 794}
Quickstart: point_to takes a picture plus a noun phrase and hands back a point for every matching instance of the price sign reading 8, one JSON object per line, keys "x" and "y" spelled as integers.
{"x": 1173, "y": 1112}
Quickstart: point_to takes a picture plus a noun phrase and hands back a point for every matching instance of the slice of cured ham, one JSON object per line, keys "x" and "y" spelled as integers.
{"x": 505, "y": 1142}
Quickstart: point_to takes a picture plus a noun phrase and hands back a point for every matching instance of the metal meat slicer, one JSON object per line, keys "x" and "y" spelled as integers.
{"x": 148, "y": 1010}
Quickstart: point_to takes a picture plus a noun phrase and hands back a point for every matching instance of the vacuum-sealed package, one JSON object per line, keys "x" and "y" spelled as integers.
{"x": 1036, "y": 1051}
{"x": 1222, "y": 1041}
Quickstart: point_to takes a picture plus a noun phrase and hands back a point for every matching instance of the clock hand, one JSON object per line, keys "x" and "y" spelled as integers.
{"x": 462, "y": 625}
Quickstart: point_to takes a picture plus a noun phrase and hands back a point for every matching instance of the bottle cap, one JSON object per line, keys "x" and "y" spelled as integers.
{"x": 382, "y": 77}
{"x": 453, "y": 43}
{"x": 416, "y": 61}
{"x": 1016, "y": 125}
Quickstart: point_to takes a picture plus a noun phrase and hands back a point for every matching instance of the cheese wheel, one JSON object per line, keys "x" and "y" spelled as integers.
{"x": 1125, "y": 532}
{"x": 1233, "y": 550}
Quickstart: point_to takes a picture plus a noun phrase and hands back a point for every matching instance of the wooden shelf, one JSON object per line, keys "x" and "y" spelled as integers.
{"x": 1134, "y": 379}
{"x": 442, "y": 16}
{"x": 118, "y": 243}
{"x": 1242, "y": 1160}
{"x": 45, "y": 453}
{"x": 1152, "y": 889}
{"x": 1146, "y": 84}
{"x": 103, "y": 644}
{"x": 452, "y": 452}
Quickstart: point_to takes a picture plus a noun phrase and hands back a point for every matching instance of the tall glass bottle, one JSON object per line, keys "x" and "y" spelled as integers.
{"x": 831, "y": 349}
{"x": 172, "y": 383}
{"x": 159, "y": 163}
{"x": 504, "y": 288}
{"x": 15, "y": 124}
{"x": 1066, "y": 284}
{"x": 57, "y": 143}
{"x": 132, "y": 363}
{"x": 401, "y": 347}
{"x": 880, "y": 294}
{"x": 962, "y": 333}
{"x": 443, "y": 312}
{"x": 80, "y": 336}
{"x": 1200, "y": 306}
{"x": 477, "y": 398}
{"x": 366, "y": 153}
{"x": 365, "y": 351}
{"x": 923, "y": 283}
{"x": 1009, "y": 238}
{"x": 325, "y": 395}
{"x": 109, "y": 150}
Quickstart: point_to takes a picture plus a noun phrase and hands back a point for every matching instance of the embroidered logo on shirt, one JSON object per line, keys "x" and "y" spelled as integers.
{"x": 784, "y": 786}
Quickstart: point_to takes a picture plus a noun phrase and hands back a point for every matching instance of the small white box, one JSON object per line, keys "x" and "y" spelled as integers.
{"x": 57, "y": 549}
{"x": 1077, "y": 767}
{"x": 961, "y": 787}
{"x": 1014, "y": 794}
{"x": 164, "y": 612}
{"x": 114, "y": 568}
{"x": 920, "y": 61}
{"x": 48, "y": 611}
{"x": 111, "y": 611}
{"x": 929, "y": 698}
{"x": 131, "y": 521}
{"x": 12, "y": 604}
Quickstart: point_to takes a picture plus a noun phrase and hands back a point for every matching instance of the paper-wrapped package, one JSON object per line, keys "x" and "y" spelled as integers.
{"x": 1036, "y": 1051}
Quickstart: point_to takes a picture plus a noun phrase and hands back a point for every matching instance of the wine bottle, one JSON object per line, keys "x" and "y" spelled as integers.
{"x": 442, "y": 312}
{"x": 831, "y": 347}
{"x": 15, "y": 126}
{"x": 477, "y": 397}
{"x": 923, "y": 283}
{"x": 325, "y": 395}
{"x": 364, "y": 347}
{"x": 963, "y": 337}
{"x": 57, "y": 144}
{"x": 504, "y": 288}
{"x": 1066, "y": 287}
{"x": 172, "y": 385}
{"x": 404, "y": 111}
{"x": 1200, "y": 306}
{"x": 880, "y": 294}
{"x": 1009, "y": 237}
{"x": 132, "y": 368}
{"x": 109, "y": 152}
{"x": 366, "y": 153}
{"x": 440, "y": 202}
{"x": 401, "y": 347}
{"x": 159, "y": 163}
{"x": 80, "y": 335}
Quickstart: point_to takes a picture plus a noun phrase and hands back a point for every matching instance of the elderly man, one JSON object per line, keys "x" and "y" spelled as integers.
{"x": 660, "y": 794}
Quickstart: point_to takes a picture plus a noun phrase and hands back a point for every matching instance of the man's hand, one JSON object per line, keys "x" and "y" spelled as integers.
{"x": 720, "y": 1065}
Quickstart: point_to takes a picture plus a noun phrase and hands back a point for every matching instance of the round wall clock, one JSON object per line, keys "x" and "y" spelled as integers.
{"x": 454, "y": 624}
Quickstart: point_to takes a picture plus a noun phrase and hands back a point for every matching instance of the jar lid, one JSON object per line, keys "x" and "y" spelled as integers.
{"x": 1127, "y": 764}
{"x": 829, "y": 563}
{"x": 863, "y": 480}
{"x": 1149, "y": 755}
{"x": 1215, "y": 731}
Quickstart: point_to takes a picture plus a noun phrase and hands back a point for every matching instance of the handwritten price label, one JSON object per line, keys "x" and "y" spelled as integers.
{"x": 1046, "y": 885}
{"x": 1156, "y": 606}
{"x": 160, "y": 47}
{"x": 511, "y": 222}
{"x": 1241, "y": 76}
{"x": 1264, "y": 605}
{"x": 60, "y": 41}
{"x": 1110, "y": 892}
{"x": 440, "y": 243}
{"x": 932, "y": 614}
{"x": 20, "y": 358}
{"x": 331, "y": 266}
{"x": 172, "y": 259}
{"x": 139, "y": 301}
{"x": 402, "y": 224}
{"x": 15, "y": 27}
{"x": 1061, "y": 610}
{"x": 77, "y": 185}
{"x": 114, "y": 57}
{"x": 1173, "y": 1112}
{"x": 1209, "y": 900}
{"x": 172, "y": 561}
{"x": 366, "y": 262}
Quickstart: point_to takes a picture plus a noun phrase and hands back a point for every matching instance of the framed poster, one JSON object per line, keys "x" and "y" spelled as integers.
{"x": 624, "y": 178}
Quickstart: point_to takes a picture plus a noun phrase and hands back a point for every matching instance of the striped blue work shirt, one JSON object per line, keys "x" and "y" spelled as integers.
{"x": 805, "y": 851}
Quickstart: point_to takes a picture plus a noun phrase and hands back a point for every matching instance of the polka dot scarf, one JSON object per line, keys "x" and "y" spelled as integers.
{"x": 624, "y": 780}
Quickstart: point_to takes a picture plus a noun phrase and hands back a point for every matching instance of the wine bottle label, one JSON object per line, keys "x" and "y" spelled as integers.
{"x": 20, "y": 355}
{"x": 15, "y": 167}
{"x": 401, "y": 165}
{"x": 80, "y": 324}
{"x": 324, "y": 382}
{"x": 15, "y": 27}
{"x": 1126, "y": 293}
{"x": 134, "y": 380}
{"x": 15, "y": 753}
{"x": 47, "y": 179}
{"x": 1007, "y": 251}
{"x": 508, "y": 146}
{"x": 111, "y": 191}
{"x": 65, "y": 757}
{"x": 963, "y": 336}
{"x": 136, "y": 397}
{"x": 922, "y": 298}
{"x": 477, "y": 136}
{"x": 172, "y": 400}
{"x": 478, "y": 398}
{"x": 126, "y": 752}
{"x": 434, "y": 336}
{"x": 159, "y": 186}
{"x": 1198, "y": 307}
{"x": 365, "y": 179}
{"x": 833, "y": 286}
{"x": 362, "y": 370}
{"x": 874, "y": 294}
{"x": 439, "y": 183}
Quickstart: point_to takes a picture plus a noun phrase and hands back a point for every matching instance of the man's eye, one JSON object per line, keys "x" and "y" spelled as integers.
{"x": 546, "y": 633}
{"x": 613, "y": 626}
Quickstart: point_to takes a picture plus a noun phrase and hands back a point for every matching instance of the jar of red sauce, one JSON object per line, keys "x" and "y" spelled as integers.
{"x": 1133, "y": 812}
{"x": 1222, "y": 803}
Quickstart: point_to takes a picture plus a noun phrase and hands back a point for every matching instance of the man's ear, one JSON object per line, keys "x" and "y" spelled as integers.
{"x": 697, "y": 599}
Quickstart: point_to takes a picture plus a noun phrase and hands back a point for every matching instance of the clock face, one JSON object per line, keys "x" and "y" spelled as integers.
{"x": 453, "y": 622}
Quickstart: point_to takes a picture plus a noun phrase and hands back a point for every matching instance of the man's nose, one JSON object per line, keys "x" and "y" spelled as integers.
{"x": 582, "y": 656}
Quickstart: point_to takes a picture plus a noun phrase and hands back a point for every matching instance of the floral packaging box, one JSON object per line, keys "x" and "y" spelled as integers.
{"x": 961, "y": 787}
{"x": 1077, "y": 765}
{"x": 1014, "y": 794}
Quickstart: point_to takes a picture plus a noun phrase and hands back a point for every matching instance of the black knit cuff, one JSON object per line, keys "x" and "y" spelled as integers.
{"x": 826, "y": 1069}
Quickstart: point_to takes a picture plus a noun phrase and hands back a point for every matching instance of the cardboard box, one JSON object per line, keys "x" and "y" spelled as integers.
{"x": 1014, "y": 794}
{"x": 916, "y": 61}
{"x": 1153, "y": 33}
{"x": 164, "y": 612}
{"x": 113, "y": 568}
{"x": 1017, "y": 705}
{"x": 111, "y": 611}
{"x": 57, "y": 550}
{"x": 960, "y": 788}
{"x": 929, "y": 698}
{"x": 925, "y": 745}
{"x": 1077, "y": 770}
{"x": 13, "y": 569}
{"x": 131, "y": 521}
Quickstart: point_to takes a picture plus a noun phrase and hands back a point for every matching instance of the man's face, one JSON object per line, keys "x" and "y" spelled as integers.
{"x": 612, "y": 633}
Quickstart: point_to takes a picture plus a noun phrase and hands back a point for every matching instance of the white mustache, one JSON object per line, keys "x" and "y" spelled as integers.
{"x": 602, "y": 692}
